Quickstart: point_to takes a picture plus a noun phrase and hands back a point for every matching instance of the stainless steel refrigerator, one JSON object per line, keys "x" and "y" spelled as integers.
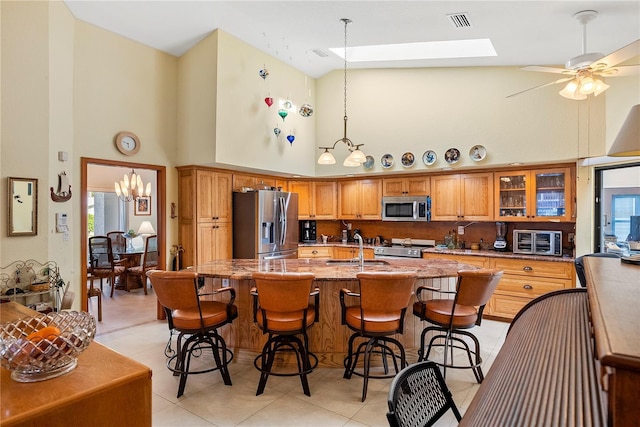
{"x": 265, "y": 225}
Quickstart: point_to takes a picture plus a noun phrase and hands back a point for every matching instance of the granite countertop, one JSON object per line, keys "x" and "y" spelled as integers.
{"x": 497, "y": 254}
{"x": 242, "y": 269}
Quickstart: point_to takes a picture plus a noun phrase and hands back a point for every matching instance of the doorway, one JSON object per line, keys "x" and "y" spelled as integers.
{"x": 160, "y": 214}
{"x": 617, "y": 206}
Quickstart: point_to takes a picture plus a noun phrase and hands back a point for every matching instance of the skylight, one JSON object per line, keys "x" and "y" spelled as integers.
{"x": 422, "y": 50}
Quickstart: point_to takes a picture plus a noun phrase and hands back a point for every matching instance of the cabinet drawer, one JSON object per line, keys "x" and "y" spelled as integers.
{"x": 523, "y": 267}
{"x": 505, "y": 306}
{"x": 478, "y": 261}
{"x": 530, "y": 287}
{"x": 315, "y": 252}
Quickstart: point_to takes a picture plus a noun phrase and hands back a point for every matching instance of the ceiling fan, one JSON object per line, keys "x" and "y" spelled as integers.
{"x": 582, "y": 72}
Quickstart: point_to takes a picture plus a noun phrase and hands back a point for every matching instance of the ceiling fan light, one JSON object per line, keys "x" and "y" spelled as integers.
{"x": 600, "y": 87}
{"x": 570, "y": 91}
{"x": 326, "y": 158}
{"x": 587, "y": 86}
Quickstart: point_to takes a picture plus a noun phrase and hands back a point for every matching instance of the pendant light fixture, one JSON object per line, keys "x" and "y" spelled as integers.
{"x": 356, "y": 156}
{"x": 130, "y": 188}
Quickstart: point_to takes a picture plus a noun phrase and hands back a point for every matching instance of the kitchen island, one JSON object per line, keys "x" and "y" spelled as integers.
{"x": 328, "y": 339}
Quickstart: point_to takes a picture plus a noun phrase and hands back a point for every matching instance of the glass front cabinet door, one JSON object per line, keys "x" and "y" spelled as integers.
{"x": 536, "y": 195}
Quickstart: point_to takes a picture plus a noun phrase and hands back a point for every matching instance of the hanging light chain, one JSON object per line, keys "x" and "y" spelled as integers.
{"x": 346, "y": 22}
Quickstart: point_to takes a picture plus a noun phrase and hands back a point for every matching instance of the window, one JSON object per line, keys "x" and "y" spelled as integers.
{"x": 623, "y": 207}
{"x": 105, "y": 212}
{"x": 617, "y": 190}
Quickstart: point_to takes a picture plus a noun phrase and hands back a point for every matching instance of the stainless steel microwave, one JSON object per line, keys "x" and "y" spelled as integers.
{"x": 406, "y": 208}
{"x": 537, "y": 242}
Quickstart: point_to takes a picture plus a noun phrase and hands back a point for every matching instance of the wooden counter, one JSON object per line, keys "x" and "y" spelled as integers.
{"x": 614, "y": 298}
{"x": 327, "y": 338}
{"x": 571, "y": 357}
{"x": 105, "y": 389}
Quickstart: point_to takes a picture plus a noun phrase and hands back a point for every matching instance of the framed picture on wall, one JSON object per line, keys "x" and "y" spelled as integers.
{"x": 142, "y": 205}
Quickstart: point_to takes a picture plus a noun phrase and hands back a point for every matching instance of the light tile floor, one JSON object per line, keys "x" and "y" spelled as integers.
{"x": 334, "y": 401}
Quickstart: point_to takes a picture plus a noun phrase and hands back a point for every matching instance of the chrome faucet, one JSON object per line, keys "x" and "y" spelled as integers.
{"x": 358, "y": 237}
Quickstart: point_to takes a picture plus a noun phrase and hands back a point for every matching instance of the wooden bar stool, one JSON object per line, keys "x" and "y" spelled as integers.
{"x": 450, "y": 317}
{"x": 281, "y": 309}
{"x": 384, "y": 298}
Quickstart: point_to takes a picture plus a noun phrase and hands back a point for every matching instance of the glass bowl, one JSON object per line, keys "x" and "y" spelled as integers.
{"x": 42, "y": 358}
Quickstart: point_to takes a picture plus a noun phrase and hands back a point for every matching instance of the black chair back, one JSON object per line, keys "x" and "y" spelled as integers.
{"x": 418, "y": 396}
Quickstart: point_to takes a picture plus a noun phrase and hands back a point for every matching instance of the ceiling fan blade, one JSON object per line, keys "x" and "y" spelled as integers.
{"x": 564, "y": 79}
{"x": 623, "y": 54}
{"x": 621, "y": 71}
{"x": 548, "y": 69}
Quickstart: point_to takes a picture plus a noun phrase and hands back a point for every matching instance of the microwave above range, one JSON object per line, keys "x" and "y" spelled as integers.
{"x": 537, "y": 242}
{"x": 406, "y": 208}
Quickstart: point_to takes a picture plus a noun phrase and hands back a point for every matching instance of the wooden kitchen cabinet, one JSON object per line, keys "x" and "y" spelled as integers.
{"x": 204, "y": 215}
{"x": 418, "y": 186}
{"x": 360, "y": 199}
{"x": 316, "y": 252}
{"x": 475, "y": 260}
{"x": 534, "y": 195}
{"x": 350, "y": 252}
{"x": 316, "y": 199}
{"x": 467, "y": 197}
{"x": 214, "y": 196}
{"x": 523, "y": 280}
{"x": 257, "y": 182}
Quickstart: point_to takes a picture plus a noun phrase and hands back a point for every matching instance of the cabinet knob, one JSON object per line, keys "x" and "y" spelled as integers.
{"x": 527, "y": 268}
{"x": 528, "y": 287}
{"x": 314, "y": 252}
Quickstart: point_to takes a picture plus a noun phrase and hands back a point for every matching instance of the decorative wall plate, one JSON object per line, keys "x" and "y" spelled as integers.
{"x": 429, "y": 157}
{"x": 407, "y": 160}
{"x": 477, "y": 153}
{"x": 452, "y": 155}
{"x": 387, "y": 161}
{"x": 368, "y": 164}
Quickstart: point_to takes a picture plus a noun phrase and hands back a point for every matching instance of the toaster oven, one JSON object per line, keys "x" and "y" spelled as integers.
{"x": 537, "y": 242}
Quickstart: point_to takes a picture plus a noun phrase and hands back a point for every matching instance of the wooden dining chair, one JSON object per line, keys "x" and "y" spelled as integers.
{"x": 148, "y": 261}
{"x": 102, "y": 263}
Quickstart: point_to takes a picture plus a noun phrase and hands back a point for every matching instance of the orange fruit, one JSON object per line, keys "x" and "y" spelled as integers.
{"x": 48, "y": 332}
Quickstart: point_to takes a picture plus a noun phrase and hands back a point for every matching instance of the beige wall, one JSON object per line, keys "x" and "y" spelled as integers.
{"x": 436, "y": 109}
{"x": 25, "y": 117}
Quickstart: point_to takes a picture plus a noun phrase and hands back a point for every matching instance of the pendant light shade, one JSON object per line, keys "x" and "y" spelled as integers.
{"x": 627, "y": 143}
{"x": 356, "y": 157}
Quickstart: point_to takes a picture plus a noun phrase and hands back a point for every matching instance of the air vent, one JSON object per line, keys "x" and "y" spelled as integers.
{"x": 321, "y": 53}
{"x": 459, "y": 20}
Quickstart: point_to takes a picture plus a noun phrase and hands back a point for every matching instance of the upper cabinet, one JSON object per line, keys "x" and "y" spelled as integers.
{"x": 204, "y": 215}
{"x": 214, "y": 196}
{"x": 360, "y": 199}
{"x": 257, "y": 182}
{"x": 416, "y": 186}
{"x": 316, "y": 199}
{"x": 459, "y": 197}
{"x": 534, "y": 195}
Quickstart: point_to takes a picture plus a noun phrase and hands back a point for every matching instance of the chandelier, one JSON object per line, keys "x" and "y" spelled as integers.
{"x": 356, "y": 156}
{"x": 583, "y": 84}
{"x": 130, "y": 188}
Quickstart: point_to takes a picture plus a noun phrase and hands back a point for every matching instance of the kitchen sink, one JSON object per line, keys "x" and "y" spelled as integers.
{"x": 356, "y": 262}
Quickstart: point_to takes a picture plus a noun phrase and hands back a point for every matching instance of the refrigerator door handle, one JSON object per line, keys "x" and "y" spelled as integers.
{"x": 283, "y": 221}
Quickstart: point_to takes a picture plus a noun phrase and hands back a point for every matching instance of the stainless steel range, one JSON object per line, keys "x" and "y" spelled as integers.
{"x": 403, "y": 248}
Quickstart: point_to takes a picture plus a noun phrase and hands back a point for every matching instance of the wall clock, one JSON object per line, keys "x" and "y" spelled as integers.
{"x": 127, "y": 143}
